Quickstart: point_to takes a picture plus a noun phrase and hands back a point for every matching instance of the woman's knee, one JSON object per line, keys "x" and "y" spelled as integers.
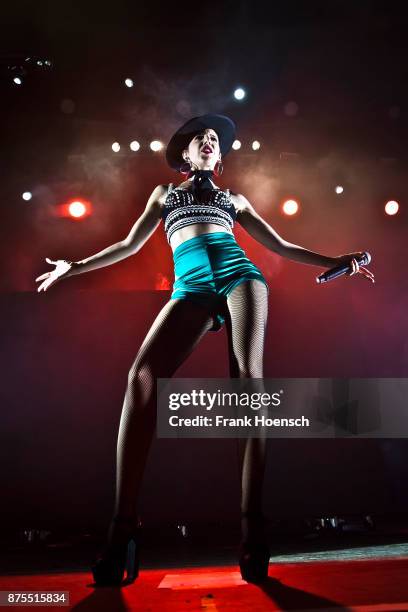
{"x": 141, "y": 380}
{"x": 250, "y": 369}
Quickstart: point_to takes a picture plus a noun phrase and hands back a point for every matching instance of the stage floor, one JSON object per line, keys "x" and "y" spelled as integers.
{"x": 354, "y": 572}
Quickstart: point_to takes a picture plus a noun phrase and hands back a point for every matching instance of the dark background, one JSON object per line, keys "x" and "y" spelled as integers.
{"x": 65, "y": 354}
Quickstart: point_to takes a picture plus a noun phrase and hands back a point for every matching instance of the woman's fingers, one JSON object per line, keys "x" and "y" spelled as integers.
{"x": 48, "y": 277}
{"x": 43, "y": 276}
{"x": 367, "y": 274}
{"x": 357, "y": 269}
{"x": 354, "y": 266}
{"x": 43, "y": 287}
{"x": 364, "y": 271}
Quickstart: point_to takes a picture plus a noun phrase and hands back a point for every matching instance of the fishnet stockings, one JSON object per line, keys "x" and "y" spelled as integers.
{"x": 174, "y": 334}
{"x": 162, "y": 352}
{"x": 246, "y": 327}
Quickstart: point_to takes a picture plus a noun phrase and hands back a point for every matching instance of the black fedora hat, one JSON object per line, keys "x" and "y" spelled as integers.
{"x": 222, "y": 125}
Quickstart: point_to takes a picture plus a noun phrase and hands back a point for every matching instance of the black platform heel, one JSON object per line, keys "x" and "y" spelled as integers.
{"x": 120, "y": 554}
{"x": 254, "y": 551}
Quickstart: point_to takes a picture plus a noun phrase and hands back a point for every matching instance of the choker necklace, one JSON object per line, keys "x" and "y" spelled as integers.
{"x": 202, "y": 186}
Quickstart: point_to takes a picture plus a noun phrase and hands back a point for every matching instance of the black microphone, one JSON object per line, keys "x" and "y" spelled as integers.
{"x": 329, "y": 275}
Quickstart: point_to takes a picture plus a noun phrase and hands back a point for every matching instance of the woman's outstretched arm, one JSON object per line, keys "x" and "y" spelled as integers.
{"x": 259, "y": 229}
{"x": 141, "y": 231}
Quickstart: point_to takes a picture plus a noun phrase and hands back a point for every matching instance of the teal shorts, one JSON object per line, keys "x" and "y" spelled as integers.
{"x": 207, "y": 268}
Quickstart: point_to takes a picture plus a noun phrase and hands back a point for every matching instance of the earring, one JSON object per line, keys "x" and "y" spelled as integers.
{"x": 192, "y": 167}
{"x": 185, "y": 168}
{"x": 218, "y": 168}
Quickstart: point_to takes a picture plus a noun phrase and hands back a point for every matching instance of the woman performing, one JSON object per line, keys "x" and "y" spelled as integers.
{"x": 214, "y": 283}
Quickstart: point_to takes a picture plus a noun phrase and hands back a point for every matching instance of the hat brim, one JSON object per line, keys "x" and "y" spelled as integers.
{"x": 222, "y": 125}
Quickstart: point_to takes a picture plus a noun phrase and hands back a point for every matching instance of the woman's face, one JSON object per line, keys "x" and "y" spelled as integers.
{"x": 204, "y": 150}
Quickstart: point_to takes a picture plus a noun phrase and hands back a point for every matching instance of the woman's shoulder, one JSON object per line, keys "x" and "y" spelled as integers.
{"x": 172, "y": 186}
{"x": 238, "y": 200}
{"x": 158, "y": 196}
{"x": 163, "y": 190}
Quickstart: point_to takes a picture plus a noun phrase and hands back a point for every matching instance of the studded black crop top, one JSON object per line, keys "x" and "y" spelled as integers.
{"x": 182, "y": 209}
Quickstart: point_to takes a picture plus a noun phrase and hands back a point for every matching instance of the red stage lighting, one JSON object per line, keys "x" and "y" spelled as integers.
{"x": 162, "y": 282}
{"x": 76, "y": 209}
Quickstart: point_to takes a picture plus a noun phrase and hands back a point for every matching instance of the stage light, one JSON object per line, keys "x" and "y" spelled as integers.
{"x": 17, "y": 73}
{"x": 391, "y": 207}
{"x": 27, "y": 195}
{"x": 162, "y": 283}
{"x": 236, "y": 145}
{"x": 239, "y": 93}
{"x": 38, "y": 61}
{"x": 134, "y": 145}
{"x": 77, "y": 209}
{"x": 183, "y": 530}
{"x": 20, "y": 68}
{"x": 256, "y": 145}
{"x": 339, "y": 189}
{"x": 129, "y": 82}
{"x": 116, "y": 147}
{"x": 290, "y": 207}
{"x": 156, "y": 145}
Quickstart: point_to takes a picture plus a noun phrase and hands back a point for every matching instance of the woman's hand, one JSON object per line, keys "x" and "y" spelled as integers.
{"x": 50, "y": 278}
{"x": 350, "y": 258}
